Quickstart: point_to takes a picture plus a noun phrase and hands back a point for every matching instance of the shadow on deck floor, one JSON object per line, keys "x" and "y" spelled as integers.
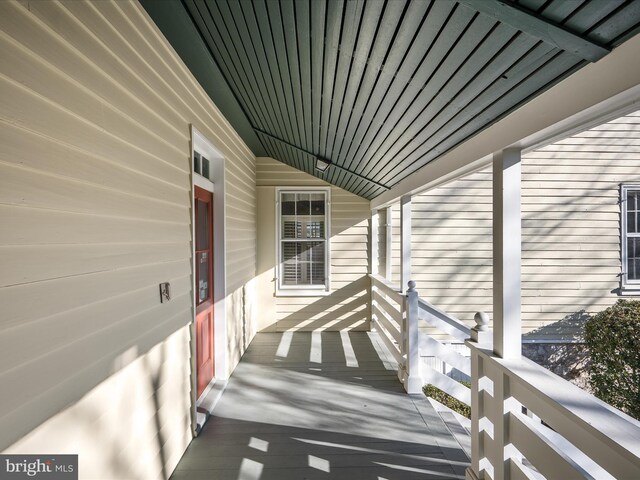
{"x": 320, "y": 406}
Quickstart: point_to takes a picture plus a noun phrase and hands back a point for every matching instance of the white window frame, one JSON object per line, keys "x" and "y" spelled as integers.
{"x": 629, "y": 286}
{"x": 304, "y": 290}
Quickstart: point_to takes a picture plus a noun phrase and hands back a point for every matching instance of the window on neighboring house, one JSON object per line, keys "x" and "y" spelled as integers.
{"x": 303, "y": 246}
{"x": 630, "y": 201}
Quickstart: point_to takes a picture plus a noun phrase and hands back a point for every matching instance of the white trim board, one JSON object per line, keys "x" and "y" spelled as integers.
{"x": 217, "y": 172}
{"x": 215, "y": 184}
{"x": 202, "y": 182}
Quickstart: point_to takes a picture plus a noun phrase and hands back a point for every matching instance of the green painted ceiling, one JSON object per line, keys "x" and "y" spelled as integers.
{"x": 379, "y": 87}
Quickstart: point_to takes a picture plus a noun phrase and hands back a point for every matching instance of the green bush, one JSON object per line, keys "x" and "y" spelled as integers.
{"x": 613, "y": 339}
{"x": 447, "y": 400}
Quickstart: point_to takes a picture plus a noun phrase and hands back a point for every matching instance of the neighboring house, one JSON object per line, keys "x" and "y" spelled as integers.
{"x": 579, "y": 236}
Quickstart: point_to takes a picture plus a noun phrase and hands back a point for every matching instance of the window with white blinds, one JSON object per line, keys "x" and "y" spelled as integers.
{"x": 303, "y": 232}
{"x": 630, "y": 202}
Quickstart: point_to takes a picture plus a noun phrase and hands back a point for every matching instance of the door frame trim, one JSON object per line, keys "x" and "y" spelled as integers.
{"x": 215, "y": 184}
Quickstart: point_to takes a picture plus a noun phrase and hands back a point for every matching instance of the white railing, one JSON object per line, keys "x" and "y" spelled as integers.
{"x": 388, "y": 310}
{"x": 565, "y": 433}
{"x": 587, "y": 438}
{"x": 397, "y": 317}
{"x": 443, "y": 353}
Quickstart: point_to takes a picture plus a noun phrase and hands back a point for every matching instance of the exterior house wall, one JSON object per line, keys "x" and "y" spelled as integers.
{"x": 570, "y": 233}
{"x": 95, "y": 208}
{"x": 451, "y": 245}
{"x": 347, "y": 306}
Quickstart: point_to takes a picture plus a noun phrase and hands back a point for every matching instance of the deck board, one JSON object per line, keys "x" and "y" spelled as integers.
{"x": 320, "y": 405}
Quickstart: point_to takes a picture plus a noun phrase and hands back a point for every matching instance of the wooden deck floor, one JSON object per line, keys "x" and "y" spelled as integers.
{"x": 320, "y": 406}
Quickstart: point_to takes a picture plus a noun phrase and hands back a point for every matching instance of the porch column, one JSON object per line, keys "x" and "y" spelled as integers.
{"x": 388, "y": 244}
{"x": 373, "y": 254}
{"x": 507, "y": 254}
{"x": 405, "y": 241}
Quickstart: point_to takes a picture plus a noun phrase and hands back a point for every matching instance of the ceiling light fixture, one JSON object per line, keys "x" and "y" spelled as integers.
{"x": 322, "y": 164}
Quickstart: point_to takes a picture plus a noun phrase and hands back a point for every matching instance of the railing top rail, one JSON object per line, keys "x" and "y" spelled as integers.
{"x": 578, "y": 415}
{"x": 387, "y": 288}
{"x": 452, "y": 325}
{"x": 385, "y": 283}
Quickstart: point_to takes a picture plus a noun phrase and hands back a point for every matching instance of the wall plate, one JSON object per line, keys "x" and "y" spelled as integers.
{"x": 165, "y": 292}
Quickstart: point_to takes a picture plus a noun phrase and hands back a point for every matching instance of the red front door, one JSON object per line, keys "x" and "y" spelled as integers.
{"x": 204, "y": 287}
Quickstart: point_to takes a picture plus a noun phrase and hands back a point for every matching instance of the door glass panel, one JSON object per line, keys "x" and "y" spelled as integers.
{"x": 206, "y": 352}
{"x": 202, "y": 225}
{"x": 202, "y": 259}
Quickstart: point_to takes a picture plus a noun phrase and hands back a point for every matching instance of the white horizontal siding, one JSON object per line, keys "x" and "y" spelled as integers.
{"x": 452, "y": 221}
{"x": 570, "y": 231}
{"x": 347, "y": 307}
{"x": 95, "y": 194}
{"x": 113, "y": 439}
